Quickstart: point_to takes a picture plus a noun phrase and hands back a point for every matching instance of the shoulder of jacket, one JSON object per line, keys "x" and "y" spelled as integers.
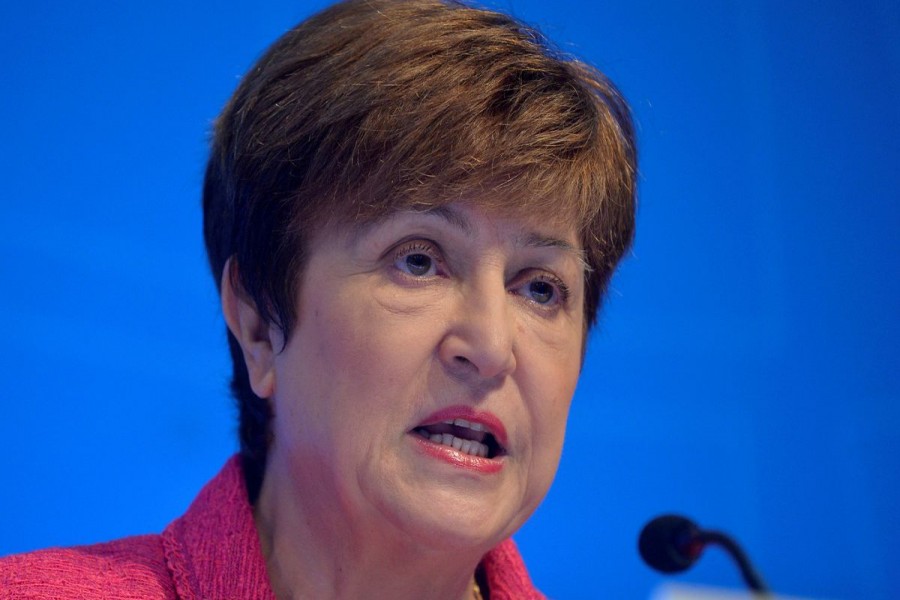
{"x": 133, "y": 567}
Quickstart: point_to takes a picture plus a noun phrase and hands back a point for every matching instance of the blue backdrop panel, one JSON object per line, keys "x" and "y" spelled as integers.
{"x": 744, "y": 372}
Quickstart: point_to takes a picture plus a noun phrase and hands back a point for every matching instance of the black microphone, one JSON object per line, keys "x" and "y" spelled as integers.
{"x": 671, "y": 544}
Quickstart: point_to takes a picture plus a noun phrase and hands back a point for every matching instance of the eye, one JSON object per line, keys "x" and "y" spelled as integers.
{"x": 418, "y": 259}
{"x": 541, "y": 291}
{"x": 417, "y": 264}
{"x": 545, "y": 290}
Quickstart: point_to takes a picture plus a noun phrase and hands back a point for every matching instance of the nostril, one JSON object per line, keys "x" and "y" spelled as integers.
{"x": 462, "y": 360}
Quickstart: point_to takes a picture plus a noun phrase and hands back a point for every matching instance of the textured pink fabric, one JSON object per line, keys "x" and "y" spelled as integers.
{"x": 212, "y": 552}
{"x": 506, "y": 575}
{"x": 131, "y": 568}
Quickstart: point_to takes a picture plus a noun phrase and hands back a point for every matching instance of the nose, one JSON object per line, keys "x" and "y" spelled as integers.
{"x": 479, "y": 342}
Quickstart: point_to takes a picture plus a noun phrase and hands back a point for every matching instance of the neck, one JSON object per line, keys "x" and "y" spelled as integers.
{"x": 312, "y": 552}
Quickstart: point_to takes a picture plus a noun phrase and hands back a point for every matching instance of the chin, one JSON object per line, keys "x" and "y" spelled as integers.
{"x": 450, "y": 520}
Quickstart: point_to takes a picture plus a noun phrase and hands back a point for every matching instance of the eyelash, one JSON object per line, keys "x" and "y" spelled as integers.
{"x": 429, "y": 249}
{"x": 418, "y": 247}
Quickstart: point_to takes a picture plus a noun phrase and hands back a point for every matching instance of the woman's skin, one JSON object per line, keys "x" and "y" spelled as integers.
{"x": 418, "y": 319}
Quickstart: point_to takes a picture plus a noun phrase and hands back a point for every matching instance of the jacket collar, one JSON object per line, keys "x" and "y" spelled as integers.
{"x": 213, "y": 551}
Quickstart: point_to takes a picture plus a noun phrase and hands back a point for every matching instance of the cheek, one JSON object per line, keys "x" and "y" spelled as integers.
{"x": 548, "y": 413}
{"x": 551, "y": 381}
{"x": 362, "y": 350}
{"x": 550, "y": 421}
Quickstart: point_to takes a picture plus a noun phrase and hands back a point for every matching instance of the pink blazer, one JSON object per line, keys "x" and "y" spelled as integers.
{"x": 210, "y": 552}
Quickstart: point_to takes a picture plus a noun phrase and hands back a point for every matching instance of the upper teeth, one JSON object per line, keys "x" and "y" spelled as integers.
{"x": 464, "y": 423}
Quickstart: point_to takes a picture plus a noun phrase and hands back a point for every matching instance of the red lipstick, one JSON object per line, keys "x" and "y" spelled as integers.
{"x": 457, "y": 458}
{"x": 472, "y": 429}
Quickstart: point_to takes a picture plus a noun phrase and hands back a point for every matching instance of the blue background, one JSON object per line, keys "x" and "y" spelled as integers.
{"x": 745, "y": 371}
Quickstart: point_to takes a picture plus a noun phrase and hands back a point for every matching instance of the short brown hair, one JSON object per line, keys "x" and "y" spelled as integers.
{"x": 372, "y": 106}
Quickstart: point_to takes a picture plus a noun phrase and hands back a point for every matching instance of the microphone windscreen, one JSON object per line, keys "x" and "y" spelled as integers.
{"x": 667, "y": 543}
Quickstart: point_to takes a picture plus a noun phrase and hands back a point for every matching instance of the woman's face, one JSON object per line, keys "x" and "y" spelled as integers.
{"x": 404, "y": 327}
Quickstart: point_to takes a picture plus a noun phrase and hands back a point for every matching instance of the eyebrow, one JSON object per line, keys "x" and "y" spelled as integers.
{"x": 453, "y": 217}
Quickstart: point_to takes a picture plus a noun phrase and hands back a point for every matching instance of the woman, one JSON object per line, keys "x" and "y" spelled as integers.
{"x": 412, "y": 209}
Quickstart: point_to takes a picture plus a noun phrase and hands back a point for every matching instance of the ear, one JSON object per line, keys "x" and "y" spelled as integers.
{"x": 256, "y": 337}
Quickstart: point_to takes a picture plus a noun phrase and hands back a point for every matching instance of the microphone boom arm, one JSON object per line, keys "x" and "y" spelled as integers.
{"x": 751, "y": 577}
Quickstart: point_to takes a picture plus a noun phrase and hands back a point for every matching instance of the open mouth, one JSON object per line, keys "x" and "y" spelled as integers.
{"x": 474, "y": 439}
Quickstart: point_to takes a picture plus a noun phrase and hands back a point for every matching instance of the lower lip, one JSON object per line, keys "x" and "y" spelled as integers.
{"x": 458, "y": 459}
